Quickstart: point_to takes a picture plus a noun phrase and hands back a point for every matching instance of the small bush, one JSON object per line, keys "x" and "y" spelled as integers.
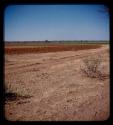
{"x": 91, "y": 66}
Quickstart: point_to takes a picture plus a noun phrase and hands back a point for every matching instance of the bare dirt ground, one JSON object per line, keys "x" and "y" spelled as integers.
{"x": 59, "y": 89}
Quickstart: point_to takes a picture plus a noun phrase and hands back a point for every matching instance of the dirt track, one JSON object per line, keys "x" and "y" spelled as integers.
{"x": 59, "y": 89}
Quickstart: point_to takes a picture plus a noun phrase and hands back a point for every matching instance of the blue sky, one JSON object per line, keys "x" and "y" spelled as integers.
{"x": 55, "y": 22}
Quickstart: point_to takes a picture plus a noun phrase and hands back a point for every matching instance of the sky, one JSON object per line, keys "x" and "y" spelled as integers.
{"x": 55, "y": 22}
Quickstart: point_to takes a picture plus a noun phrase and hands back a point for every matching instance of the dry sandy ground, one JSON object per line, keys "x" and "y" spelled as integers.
{"x": 59, "y": 89}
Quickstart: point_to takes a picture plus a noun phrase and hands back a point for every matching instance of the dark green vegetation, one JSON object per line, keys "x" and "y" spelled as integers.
{"x": 55, "y": 42}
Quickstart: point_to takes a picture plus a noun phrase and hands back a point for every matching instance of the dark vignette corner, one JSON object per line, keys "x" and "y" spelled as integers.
{"x": 3, "y": 6}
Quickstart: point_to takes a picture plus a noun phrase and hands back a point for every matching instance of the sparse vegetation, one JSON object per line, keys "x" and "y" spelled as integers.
{"x": 91, "y": 67}
{"x": 15, "y": 92}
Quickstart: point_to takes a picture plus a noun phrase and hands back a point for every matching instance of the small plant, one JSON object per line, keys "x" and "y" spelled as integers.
{"x": 91, "y": 66}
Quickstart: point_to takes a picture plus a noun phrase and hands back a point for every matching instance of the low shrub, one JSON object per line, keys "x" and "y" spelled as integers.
{"x": 91, "y": 67}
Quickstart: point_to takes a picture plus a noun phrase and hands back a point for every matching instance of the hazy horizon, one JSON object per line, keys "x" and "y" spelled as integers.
{"x": 52, "y": 40}
{"x": 55, "y": 23}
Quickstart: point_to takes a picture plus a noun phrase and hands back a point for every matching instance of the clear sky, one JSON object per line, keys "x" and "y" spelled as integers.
{"x": 55, "y": 22}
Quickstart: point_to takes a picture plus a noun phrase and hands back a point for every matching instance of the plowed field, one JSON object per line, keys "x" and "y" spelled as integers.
{"x": 46, "y": 48}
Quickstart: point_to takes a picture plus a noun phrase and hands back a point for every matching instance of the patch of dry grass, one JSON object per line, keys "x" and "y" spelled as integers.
{"x": 91, "y": 67}
{"x": 13, "y": 92}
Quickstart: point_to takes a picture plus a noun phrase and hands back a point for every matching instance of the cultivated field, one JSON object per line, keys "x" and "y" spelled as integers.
{"x": 44, "y": 48}
{"x": 51, "y": 86}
